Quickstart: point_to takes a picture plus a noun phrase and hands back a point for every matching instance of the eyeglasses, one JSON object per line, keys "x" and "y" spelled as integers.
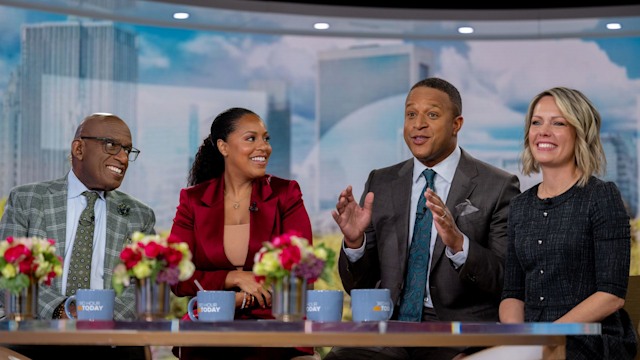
{"x": 113, "y": 147}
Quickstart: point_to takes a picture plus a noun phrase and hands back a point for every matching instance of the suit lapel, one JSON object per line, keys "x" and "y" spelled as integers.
{"x": 462, "y": 186}
{"x": 117, "y": 235}
{"x": 263, "y": 220}
{"x": 401, "y": 190}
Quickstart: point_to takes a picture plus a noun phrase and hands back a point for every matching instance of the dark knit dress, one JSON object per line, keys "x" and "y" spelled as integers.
{"x": 564, "y": 249}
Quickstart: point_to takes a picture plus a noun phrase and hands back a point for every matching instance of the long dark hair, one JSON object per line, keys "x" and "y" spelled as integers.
{"x": 209, "y": 162}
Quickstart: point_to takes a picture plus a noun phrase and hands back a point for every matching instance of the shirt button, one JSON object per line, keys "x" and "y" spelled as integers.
{"x": 540, "y": 242}
{"x": 545, "y": 214}
{"x": 541, "y": 271}
{"x": 541, "y": 298}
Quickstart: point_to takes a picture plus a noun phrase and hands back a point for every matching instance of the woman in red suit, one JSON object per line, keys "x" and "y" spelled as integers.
{"x": 229, "y": 209}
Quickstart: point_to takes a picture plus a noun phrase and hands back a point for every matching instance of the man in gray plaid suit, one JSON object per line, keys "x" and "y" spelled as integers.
{"x": 100, "y": 154}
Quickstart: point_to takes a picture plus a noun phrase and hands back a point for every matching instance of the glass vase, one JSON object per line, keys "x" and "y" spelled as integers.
{"x": 22, "y": 306}
{"x": 152, "y": 300}
{"x": 289, "y": 302}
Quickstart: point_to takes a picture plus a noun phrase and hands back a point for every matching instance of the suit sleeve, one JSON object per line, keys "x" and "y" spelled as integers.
{"x": 364, "y": 273}
{"x": 294, "y": 216}
{"x": 484, "y": 267}
{"x": 15, "y": 220}
{"x": 183, "y": 228}
{"x": 125, "y": 303}
{"x": 612, "y": 238}
{"x": 513, "y": 274}
{"x": 19, "y": 220}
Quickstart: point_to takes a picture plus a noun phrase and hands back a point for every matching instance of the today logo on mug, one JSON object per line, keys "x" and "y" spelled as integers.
{"x": 324, "y": 305}
{"x": 91, "y": 304}
{"x": 371, "y": 305}
{"x": 213, "y": 305}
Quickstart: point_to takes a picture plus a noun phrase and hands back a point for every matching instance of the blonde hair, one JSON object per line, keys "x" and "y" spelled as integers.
{"x": 578, "y": 110}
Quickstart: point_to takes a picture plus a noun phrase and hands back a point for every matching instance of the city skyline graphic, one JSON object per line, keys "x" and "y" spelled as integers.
{"x": 334, "y": 107}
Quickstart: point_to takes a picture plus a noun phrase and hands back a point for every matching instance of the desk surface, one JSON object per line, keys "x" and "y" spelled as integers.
{"x": 273, "y": 333}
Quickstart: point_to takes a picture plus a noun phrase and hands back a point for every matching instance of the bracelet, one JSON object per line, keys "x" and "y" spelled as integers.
{"x": 244, "y": 300}
{"x": 58, "y": 311}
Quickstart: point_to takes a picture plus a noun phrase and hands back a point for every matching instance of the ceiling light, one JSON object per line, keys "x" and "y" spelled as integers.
{"x": 321, "y": 26}
{"x": 465, "y": 30}
{"x": 181, "y": 15}
{"x": 614, "y": 26}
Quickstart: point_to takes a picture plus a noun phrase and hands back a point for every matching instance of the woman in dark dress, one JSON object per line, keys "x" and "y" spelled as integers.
{"x": 569, "y": 236}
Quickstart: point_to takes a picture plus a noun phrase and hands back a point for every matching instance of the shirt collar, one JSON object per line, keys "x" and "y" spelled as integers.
{"x": 76, "y": 187}
{"x": 445, "y": 168}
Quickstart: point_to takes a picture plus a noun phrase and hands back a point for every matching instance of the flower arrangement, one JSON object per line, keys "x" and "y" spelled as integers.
{"x": 153, "y": 256}
{"x": 290, "y": 254}
{"x": 27, "y": 259}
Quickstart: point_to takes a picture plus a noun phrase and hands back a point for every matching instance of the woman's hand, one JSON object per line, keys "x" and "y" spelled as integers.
{"x": 257, "y": 294}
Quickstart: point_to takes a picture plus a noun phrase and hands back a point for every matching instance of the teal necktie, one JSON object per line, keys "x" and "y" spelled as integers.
{"x": 412, "y": 300}
{"x": 79, "y": 276}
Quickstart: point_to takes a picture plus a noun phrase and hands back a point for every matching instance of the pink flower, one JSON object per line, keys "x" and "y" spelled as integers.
{"x": 28, "y": 260}
{"x": 162, "y": 259}
{"x": 289, "y": 257}
{"x": 290, "y": 254}
{"x": 130, "y": 257}
{"x": 173, "y": 256}
{"x": 152, "y": 249}
{"x": 16, "y": 253}
{"x": 26, "y": 266}
{"x": 282, "y": 241}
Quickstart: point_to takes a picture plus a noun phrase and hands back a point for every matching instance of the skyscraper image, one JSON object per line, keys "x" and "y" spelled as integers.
{"x": 349, "y": 81}
{"x": 278, "y": 120}
{"x": 194, "y": 135}
{"x": 622, "y": 167}
{"x": 69, "y": 70}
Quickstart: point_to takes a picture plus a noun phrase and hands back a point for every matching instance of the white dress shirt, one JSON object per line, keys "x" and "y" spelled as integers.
{"x": 76, "y": 203}
{"x": 445, "y": 170}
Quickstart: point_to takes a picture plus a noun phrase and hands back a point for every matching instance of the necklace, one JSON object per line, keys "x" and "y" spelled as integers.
{"x": 544, "y": 191}
{"x": 234, "y": 203}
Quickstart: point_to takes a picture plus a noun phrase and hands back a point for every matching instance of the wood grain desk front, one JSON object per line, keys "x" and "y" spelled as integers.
{"x": 288, "y": 334}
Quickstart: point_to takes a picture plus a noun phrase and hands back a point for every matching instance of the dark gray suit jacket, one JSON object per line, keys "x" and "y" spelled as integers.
{"x": 469, "y": 293}
{"x": 40, "y": 209}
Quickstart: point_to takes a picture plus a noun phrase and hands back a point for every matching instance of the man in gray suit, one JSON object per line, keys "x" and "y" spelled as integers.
{"x": 100, "y": 154}
{"x": 468, "y": 236}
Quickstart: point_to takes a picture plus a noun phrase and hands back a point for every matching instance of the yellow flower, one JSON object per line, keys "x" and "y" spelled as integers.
{"x": 9, "y": 271}
{"x": 186, "y": 269}
{"x": 320, "y": 253}
{"x": 142, "y": 270}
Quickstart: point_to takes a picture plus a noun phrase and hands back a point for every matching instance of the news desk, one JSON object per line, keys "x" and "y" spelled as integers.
{"x": 271, "y": 333}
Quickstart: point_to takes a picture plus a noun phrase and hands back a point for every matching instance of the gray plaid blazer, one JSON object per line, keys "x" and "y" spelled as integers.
{"x": 40, "y": 209}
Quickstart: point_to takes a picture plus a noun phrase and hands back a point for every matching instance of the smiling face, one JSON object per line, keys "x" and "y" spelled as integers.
{"x": 247, "y": 149}
{"x": 96, "y": 169}
{"x": 552, "y": 139}
{"x": 430, "y": 126}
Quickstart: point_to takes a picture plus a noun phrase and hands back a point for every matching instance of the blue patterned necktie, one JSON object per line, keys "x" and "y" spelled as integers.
{"x": 79, "y": 276}
{"x": 416, "y": 281}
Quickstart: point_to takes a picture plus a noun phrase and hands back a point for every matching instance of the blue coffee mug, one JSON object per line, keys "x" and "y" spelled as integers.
{"x": 91, "y": 304}
{"x": 324, "y": 305}
{"x": 213, "y": 305}
{"x": 371, "y": 305}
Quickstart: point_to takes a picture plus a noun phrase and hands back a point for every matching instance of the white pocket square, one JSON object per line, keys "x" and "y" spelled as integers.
{"x": 466, "y": 208}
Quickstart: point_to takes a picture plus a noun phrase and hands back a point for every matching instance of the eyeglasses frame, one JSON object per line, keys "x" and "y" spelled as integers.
{"x": 127, "y": 149}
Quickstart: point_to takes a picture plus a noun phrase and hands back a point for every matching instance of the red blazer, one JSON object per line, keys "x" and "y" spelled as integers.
{"x": 199, "y": 221}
